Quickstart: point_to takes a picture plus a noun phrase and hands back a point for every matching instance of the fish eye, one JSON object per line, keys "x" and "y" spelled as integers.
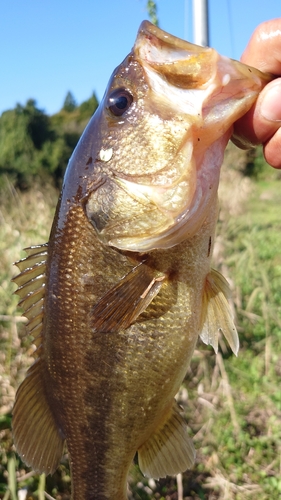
{"x": 119, "y": 101}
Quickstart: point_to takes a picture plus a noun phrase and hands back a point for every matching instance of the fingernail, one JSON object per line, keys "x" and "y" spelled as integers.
{"x": 270, "y": 107}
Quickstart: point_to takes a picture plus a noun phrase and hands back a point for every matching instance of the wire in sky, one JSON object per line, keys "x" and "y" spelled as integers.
{"x": 231, "y": 31}
{"x": 186, "y": 20}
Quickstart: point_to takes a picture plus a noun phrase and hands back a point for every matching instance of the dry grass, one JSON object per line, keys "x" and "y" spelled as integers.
{"x": 25, "y": 220}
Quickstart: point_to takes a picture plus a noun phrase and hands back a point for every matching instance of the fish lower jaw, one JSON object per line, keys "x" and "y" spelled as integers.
{"x": 182, "y": 227}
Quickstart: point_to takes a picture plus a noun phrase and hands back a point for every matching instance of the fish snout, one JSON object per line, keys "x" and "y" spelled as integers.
{"x": 208, "y": 87}
{"x": 181, "y": 63}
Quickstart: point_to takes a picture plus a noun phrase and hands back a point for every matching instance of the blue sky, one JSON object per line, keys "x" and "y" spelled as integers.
{"x": 48, "y": 47}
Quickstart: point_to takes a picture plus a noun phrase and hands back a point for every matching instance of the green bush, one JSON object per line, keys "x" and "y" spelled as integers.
{"x": 34, "y": 145}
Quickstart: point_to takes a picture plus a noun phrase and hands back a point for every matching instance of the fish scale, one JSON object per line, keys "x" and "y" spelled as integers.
{"x": 124, "y": 288}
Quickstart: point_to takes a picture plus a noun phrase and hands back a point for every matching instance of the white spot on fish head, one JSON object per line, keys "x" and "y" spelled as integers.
{"x": 106, "y": 154}
{"x": 225, "y": 79}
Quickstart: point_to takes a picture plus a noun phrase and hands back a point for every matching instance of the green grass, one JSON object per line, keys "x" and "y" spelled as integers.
{"x": 243, "y": 441}
{"x": 233, "y": 405}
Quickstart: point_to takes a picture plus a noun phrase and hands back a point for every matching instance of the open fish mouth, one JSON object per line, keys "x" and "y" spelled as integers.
{"x": 194, "y": 96}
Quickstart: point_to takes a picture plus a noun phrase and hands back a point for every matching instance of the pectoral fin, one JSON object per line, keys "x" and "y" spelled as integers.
{"x": 216, "y": 313}
{"x": 123, "y": 303}
{"x": 169, "y": 450}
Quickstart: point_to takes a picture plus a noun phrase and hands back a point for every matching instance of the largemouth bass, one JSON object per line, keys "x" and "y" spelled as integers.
{"x": 118, "y": 297}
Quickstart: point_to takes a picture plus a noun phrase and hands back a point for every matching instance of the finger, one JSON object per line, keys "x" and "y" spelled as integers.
{"x": 262, "y": 123}
{"x": 263, "y": 119}
{"x": 272, "y": 150}
{"x": 264, "y": 48}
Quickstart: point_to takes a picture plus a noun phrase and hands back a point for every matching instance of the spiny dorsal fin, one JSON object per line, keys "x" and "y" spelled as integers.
{"x": 124, "y": 302}
{"x": 169, "y": 450}
{"x": 36, "y": 435}
{"x": 31, "y": 286}
{"x": 216, "y": 313}
{"x": 35, "y": 254}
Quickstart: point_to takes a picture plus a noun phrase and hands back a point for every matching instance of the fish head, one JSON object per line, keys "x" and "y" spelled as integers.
{"x": 157, "y": 140}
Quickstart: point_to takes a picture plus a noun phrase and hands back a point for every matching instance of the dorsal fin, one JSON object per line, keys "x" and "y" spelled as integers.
{"x": 31, "y": 286}
{"x": 37, "y": 436}
{"x": 216, "y": 313}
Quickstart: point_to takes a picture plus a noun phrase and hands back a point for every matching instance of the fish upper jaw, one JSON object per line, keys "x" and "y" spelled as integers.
{"x": 201, "y": 83}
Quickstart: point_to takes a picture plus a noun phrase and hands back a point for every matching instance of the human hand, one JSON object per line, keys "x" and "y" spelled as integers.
{"x": 262, "y": 124}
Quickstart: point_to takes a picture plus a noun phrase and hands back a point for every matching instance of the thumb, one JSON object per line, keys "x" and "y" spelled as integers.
{"x": 263, "y": 119}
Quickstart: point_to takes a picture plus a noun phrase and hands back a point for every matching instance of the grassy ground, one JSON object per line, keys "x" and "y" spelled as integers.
{"x": 233, "y": 405}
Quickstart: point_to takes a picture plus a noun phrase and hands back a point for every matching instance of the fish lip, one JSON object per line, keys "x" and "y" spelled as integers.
{"x": 150, "y": 35}
{"x": 156, "y": 36}
{"x": 182, "y": 63}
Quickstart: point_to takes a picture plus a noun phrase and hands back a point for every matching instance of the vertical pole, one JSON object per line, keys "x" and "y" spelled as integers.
{"x": 200, "y": 22}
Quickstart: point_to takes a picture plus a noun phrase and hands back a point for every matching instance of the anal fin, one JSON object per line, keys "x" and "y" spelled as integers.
{"x": 124, "y": 302}
{"x": 169, "y": 450}
{"x": 37, "y": 437}
{"x": 216, "y": 313}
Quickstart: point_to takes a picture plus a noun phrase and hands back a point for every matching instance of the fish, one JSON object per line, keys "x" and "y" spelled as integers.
{"x": 119, "y": 296}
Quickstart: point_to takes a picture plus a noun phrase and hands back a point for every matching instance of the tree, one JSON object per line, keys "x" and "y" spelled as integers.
{"x": 23, "y": 132}
{"x": 87, "y": 108}
{"x": 152, "y": 12}
{"x": 69, "y": 103}
{"x": 34, "y": 145}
